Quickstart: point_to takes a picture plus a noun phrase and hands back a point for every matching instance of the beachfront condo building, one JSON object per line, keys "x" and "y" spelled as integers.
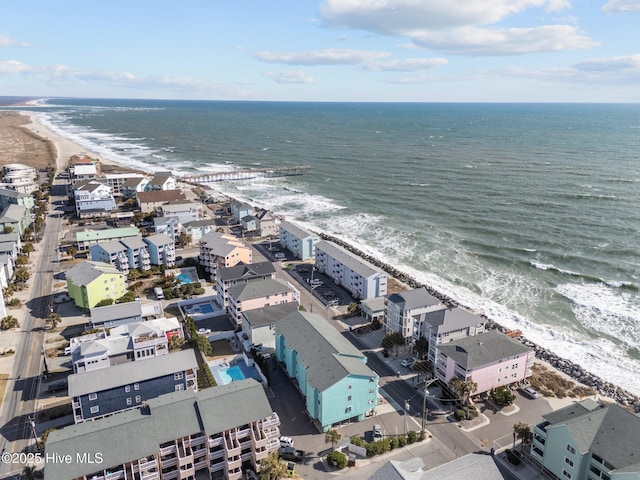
{"x": 402, "y": 310}
{"x": 90, "y": 237}
{"x": 259, "y": 325}
{"x": 299, "y": 241}
{"x": 588, "y": 441}
{"x": 88, "y": 283}
{"x": 117, "y": 180}
{"x": 106, "y": 391}
{"x": 489, "y": 359}
{"x": 20, "y": 178}
{"x": 263, "y": 293}
{"x": 362, "y": 279}
{"x": 163, "y": 181}
{"x": 446, "y": 325}
{"x": 127, "y": 254}
{"x": 152, "y": 200}
{"x": 214, "y": 433}
{"x": 332, "y": 375}
{"x": 184, "y": 211}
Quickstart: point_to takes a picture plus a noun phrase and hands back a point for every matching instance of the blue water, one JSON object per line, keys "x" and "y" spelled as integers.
{"x": 526, "y": 212}
{"x": 237, "y": 372}
{"x": 205, "y": 308}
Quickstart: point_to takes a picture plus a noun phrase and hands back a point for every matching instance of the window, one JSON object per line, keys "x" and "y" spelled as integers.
{"x": 348, "y": 409}
{"x": 93, "y": 396}
{"x": 95, "y": 409}
{"x": 566, "y": 474}
{"x": 129, "y": 401}
{"x": 179, "y": 387}
{"x": 127, "y": 388}
{"x": 349, "y": 387}
{"x": 568, "y": 461}
{"x": 571, "y": 449}
{"x": 177, "y": 376}
{"x": 136, "y": 386}
{"x": 138, "y": 399}
{"x": 349, "y": 398}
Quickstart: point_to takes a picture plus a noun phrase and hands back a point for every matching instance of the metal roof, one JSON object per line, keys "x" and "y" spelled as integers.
{"x": 482, "y": 349}
{"x": 348, "y": 259}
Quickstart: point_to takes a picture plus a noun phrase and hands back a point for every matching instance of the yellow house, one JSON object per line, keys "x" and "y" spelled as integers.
{"x": 89, "y": 283}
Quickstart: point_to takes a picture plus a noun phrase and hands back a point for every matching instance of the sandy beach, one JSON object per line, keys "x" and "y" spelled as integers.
{"x": 23, "y": 139}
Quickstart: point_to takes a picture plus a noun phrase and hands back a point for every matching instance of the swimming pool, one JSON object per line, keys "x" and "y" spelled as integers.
{"x": 239, "y": 371}
{"x": 202, "y": 308}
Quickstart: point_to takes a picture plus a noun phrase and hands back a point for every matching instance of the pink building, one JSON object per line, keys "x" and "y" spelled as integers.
{"x": 489, "y": 359}
{"x": 258, "y": 294}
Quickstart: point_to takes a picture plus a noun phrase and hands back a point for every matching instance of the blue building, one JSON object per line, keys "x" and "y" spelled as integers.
{"x": 298, "y": 241}
{"x": 99, "y": 393}
{"x": 332, "y": 374}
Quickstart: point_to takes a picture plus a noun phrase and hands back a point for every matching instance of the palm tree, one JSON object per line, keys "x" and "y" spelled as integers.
{"x": 463, "y": 390}
{"x": 332, "y": 436}
{"x": 54, "y": 319}
{"x": 523, "y": 432}
{"x": 272, "y": 468}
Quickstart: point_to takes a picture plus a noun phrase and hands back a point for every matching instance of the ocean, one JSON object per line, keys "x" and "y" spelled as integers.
{"x": 528, "y": 213}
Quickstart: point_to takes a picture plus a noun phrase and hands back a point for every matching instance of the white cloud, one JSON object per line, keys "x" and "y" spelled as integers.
{"x": 290, "y": 76}
{"x": 7, "y": 41}
{"x": 510, "y": 41}
{"x": 621, "y": 6}
{"x": 626, "y": 63}
{"x": 458, "y": 26}
{"x": 409, "y": 65}
{"x": 401, "y": 17}
{"x": 64, "y": 75}
{"x": 330, "y": 56}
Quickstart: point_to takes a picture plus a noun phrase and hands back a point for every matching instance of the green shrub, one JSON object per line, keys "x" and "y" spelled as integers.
{"x": 459, "y": 414}
{"x": 198, "y": 291}
{"x": 412, "y": 436}
{"x": 393, "y": 443}
{"x": 402, "y": 441}
{"x": 357, "y": 441}
{"x": 422, "y": 435}
{"x": 337, "y": 459}
{"x": 502, "y": 396}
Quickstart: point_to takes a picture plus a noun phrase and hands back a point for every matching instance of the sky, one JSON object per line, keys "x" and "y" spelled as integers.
{"x": 331, "y": 50}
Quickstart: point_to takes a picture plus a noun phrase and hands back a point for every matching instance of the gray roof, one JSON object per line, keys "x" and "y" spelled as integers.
{"x": 7, "y": 192}
{"x": 412, "y": 299}
{"x": 130, "y": 372}
{"x": 473, "y": 466}
{"x": 269, "y": 315}
{"x": 611, "y": 432}
{"x": 138, "y": 433}
{"x": 451, "y": 319}
{"x": 482, "y": 349}
{"x": 326, "y": 354}
{"x": 351, "y": 261}
{"x": 115, "y": 312}
{"x": 242, "y": 270}
{"x": 200, "y": 223}
{"x": 258, "y": 289}
{"x": 133, "y": 242}
{"x": 13, "y": 213}
{"x": 9, "y": 237}
{"x": 112, "y": 246}
{"x": 158, "y": 239}
{"x": 571, "y": 411}
{"x": 7, "y": 246}
{"x": 219, "y": 245}
{"x": 87, "y": 271}
{"x": 296, "y": 230}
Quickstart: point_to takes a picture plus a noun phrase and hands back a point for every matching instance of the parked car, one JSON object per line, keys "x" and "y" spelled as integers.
{"x": 286, "y": 442}
{"x": 529, "y": 392}
{"x": 57, "y": 387}
{"x": 407, "y": 362}
{"x": 204, "y": 331}
{"x": 377, "y": 433}
{"x": 67, "y": 350}
{"x": 291, "y": 454}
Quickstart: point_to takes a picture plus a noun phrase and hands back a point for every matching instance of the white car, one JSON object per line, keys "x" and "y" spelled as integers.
{"x": 204, "y": 331}
{"x": 407, "y": 362}
{"x": 286, "y": 442}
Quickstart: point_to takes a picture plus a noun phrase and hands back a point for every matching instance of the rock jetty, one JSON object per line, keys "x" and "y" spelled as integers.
{"x": 567, "y": 367}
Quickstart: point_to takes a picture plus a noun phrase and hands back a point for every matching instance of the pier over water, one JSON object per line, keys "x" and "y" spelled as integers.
{"x": 246, "y": 174}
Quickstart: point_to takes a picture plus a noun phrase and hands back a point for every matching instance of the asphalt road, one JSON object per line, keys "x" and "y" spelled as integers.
{"x": 20, "y": 402}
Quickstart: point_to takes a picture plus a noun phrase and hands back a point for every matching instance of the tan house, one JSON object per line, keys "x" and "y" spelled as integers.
{"x": 218, "y": 250}
{"x": 152, "y": 200}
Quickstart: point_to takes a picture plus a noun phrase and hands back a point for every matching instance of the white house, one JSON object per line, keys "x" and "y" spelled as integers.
{"x": 403, "y": 309}
{"x": 93, "y": 198}
{"x": 298, "y": 240}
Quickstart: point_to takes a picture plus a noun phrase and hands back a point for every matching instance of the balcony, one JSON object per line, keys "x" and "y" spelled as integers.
{"x": 114, "y": 475}
{"x": 168, "y": 450}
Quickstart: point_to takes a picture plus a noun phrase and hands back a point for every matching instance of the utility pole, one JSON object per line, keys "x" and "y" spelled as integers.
{"x": 425, "y": 404}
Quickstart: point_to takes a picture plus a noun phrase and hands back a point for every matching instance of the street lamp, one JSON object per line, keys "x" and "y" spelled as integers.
{"x": 407, "y": 407}
{"x": 425, "y": 404}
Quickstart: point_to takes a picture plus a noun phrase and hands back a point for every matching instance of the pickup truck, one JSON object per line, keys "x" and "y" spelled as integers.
{"x": 291, "y": 454}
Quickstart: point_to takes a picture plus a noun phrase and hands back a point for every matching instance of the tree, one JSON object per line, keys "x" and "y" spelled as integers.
{"x": 8, "y": 229}
{"x": 523, "y": 432}
{"x": 354, "y": 309}
{"x": 105, "y": 302}
{"x": 502, "y": 396}
{"x": 184, "y": 239}
{"x": 72, "y": 251}
{"x": 463, "y": 390}
{"x": 421, "y": 347}
{"x": 9, "y": 322}
{"x": 392, "y": 339}
{"x": 204, "y": 345}
{"x": 332, "y": 436}
{"x": 176, "y": 343}
{"x": 54, "y": 319}
{"x": 21, "y": 275}
{"x": 337, "y": 459}
{"x": 22, "y": 260}
{"x": 272, "y": 468}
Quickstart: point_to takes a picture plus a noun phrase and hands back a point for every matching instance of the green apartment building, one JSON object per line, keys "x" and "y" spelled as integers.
{"x": 589, "y": 441}
{"x": 88, "y": 283}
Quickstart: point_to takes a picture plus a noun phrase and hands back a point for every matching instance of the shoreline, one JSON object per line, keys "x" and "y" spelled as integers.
{"x": 67, "y": 148}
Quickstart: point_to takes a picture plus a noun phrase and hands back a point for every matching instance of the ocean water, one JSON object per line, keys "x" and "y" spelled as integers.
{"x": 529, "y": 213}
